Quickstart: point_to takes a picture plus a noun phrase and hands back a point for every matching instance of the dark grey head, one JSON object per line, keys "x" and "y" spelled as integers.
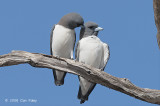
{"x": 71, "y": 20}
{"x": 89, "y": 29}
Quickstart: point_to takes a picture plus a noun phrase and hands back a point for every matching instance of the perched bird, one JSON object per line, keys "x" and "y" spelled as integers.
{"x": 62, "y": 41}
{"x": 92, "y": 51}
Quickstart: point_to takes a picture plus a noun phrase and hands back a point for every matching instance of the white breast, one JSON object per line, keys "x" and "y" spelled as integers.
{"x": 63, "y": 41}
{"x": 91, "y": 51}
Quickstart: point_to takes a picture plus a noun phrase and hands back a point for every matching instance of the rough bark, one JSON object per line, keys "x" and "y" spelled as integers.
{"x": 92, "y": 74}
{"x": 156, "y": 6}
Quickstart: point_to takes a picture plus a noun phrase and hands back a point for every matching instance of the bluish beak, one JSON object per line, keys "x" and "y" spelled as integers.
{"x": 98, "y": 29}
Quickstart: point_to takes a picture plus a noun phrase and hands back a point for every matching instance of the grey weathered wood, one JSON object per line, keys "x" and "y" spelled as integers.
{"x": 156, "y": 6}
{"x": 92, "y": 74}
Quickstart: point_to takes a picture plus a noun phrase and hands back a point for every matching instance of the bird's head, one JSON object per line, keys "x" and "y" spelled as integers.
{"x": 71, "y": 21}
{"x": 89, "y": 29}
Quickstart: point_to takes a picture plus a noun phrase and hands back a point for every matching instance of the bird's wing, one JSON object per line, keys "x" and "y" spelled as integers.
{"x": 106, "y": 54}
{"x": 74, "y": 42}
{"x": 51, "y": 37}
{"x": 77, "y": 51}
{"x": 81, "y": 32}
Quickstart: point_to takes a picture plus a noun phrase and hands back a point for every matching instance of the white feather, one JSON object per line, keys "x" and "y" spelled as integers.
{"x": 62, "y": 44}
{"x": 91, "y": 52}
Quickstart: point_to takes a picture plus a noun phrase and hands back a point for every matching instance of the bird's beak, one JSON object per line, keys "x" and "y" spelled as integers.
{"x": 98, "y": 29}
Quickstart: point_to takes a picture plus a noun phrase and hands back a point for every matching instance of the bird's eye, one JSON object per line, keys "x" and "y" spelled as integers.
{"x": 91, "y": 27}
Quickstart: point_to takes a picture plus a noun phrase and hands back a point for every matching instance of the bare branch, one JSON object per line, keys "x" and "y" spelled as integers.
{"x": 92, "y": 74}
{"x": 156, "y": 6}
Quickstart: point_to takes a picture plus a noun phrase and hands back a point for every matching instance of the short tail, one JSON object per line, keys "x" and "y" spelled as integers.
{"x": 59, "y": 82}
{"x": 81, "y": 97}
{"x": 56, "y": 80}
{"x": 82, "y": 101}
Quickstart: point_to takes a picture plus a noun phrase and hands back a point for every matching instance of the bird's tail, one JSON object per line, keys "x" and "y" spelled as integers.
{"x": 58, "y": 78}
{"x": 81, "y": 97}
{"x": 59, "y": 82}
{"x": 82, "y": 101}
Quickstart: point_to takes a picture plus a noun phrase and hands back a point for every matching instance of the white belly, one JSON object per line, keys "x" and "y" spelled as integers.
{"x": 63, "y": 41}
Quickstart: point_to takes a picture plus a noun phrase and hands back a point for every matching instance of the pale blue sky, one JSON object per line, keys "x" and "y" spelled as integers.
{"x": 129, "y": 30}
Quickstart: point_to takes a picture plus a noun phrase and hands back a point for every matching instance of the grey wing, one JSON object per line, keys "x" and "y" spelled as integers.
{"x": 81, "y": 32}
{"x": 106, "y": 54}
{"x": 51, "y": 36}
{"x": 74, "y": 41}
{"x": 77, "y": 51}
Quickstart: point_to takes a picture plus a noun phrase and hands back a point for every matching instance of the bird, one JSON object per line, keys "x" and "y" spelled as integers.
{"x": 62, "y": 41}
{"x": 92, "y": 51}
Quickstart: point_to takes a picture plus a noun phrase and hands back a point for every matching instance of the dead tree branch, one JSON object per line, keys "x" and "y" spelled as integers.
{"x": 92, "y": 74}
{"x": 156, "y": 6}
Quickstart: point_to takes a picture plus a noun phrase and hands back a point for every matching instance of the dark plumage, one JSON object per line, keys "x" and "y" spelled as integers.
{"x": 71, "y": 20}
